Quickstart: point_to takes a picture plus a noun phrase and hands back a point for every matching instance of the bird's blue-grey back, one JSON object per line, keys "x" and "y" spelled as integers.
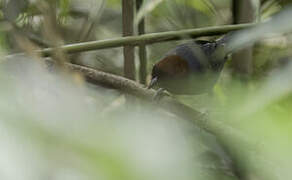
{"x": 201, "y": 54}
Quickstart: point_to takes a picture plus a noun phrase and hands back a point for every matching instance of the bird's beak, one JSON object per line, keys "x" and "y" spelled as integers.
{"x": 152, "y": 82}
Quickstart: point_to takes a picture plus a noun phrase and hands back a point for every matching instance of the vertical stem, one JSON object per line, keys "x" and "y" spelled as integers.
{"x": 142, "y": 48}
{"x": 128, "y": 30}
{"x": 244, "y": 11}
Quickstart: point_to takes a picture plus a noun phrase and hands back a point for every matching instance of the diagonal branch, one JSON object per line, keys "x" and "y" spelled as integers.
{"x": 138, "y": 90}
{"x": 133, "y": 88}
{"x": 227, "y": 136}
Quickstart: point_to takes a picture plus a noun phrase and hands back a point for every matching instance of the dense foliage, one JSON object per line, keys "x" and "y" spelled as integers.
{"x": 55, "y": 125}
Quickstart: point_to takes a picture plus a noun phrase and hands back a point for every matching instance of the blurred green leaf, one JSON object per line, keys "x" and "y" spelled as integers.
{"x": 64, "y": 8}
{"x": 278, "y": 24}
{"x": 146, "y": 8}
{"x": 204, "y": 6}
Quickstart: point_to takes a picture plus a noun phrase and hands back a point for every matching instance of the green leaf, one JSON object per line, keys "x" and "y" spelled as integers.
{"x": 146, "y": 8}
{"x": 203, "y": 6}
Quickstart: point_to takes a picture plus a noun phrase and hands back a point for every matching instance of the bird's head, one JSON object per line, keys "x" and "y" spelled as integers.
{"x": 170, "y": 67}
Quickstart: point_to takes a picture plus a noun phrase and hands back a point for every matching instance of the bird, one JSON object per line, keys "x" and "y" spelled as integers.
{"x": 191, "y": 68}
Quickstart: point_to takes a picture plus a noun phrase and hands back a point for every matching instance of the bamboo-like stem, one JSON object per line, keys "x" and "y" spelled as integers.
{"x": 142, "y": 47}
{"x": 128, "y": 30}
{"x": 147, "y": 38}
{"x": 243, "y": 12}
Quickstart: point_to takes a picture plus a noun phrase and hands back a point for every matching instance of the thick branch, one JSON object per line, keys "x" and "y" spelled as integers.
{"x": 228, "y": 137}
{"x": 146, "y": 39}
{"x": 169, "y": 104}
{"x": 133, "y": 88}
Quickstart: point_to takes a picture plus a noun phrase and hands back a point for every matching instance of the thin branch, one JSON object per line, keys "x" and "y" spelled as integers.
{"x": 147, "y": 39}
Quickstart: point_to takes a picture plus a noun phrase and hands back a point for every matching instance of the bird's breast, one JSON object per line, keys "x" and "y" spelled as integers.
{"x": 193, "y": 83}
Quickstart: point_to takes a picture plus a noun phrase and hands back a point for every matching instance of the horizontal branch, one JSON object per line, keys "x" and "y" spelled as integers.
{"x": 146, "y": 39}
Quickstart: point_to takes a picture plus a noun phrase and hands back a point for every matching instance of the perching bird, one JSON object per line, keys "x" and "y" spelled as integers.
{"x": 190, "y": 68}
